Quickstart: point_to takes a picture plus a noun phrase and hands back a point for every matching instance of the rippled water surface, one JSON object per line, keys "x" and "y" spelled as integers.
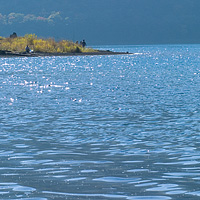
{"x": 121, "y": 127}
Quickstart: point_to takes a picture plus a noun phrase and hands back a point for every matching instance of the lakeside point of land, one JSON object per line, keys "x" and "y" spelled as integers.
{"x": 43, "y": 54}
{"x": 32, "y": 46}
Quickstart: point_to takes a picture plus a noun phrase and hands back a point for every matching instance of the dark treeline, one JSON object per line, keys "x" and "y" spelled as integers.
{"x": 105, "y": 21}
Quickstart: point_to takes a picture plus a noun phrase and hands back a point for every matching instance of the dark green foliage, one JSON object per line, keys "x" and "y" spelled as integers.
{"x": 77, "y": 50}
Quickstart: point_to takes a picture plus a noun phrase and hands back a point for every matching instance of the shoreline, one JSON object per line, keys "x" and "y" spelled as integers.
{"x": 8, "y": 54}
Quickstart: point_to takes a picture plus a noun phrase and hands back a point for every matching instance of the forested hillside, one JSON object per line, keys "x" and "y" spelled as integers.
{"x": 105, "y": 21}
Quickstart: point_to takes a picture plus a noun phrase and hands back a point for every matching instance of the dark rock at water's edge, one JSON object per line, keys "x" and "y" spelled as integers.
{"x": 4, "y": 53}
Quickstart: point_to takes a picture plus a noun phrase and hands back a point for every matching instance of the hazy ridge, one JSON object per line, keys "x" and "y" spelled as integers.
{"x": 106, "y": 21}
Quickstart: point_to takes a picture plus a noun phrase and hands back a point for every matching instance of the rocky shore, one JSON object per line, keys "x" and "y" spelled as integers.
{"x": 42, "y": 54}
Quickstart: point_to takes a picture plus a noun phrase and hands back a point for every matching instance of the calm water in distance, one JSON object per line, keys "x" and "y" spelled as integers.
{"x": 123, "y": 127}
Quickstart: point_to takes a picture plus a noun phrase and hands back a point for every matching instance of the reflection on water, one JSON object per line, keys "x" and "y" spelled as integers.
{"x": 101, "y": 127}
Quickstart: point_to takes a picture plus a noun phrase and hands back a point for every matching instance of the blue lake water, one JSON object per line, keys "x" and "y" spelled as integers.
{"x": 123, "y": 127}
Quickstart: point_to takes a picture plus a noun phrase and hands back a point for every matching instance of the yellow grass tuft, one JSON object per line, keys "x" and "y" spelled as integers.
{"x": 36, "y": 44}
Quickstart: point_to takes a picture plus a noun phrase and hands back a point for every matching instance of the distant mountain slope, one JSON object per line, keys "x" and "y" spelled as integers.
{"x": 105, "y": 21}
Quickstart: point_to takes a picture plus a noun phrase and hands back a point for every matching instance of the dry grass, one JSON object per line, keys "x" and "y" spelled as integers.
{"x": 41, "y": 45}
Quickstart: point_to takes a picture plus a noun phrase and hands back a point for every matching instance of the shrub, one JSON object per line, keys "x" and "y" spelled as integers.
{"x": 40, "y": 45}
